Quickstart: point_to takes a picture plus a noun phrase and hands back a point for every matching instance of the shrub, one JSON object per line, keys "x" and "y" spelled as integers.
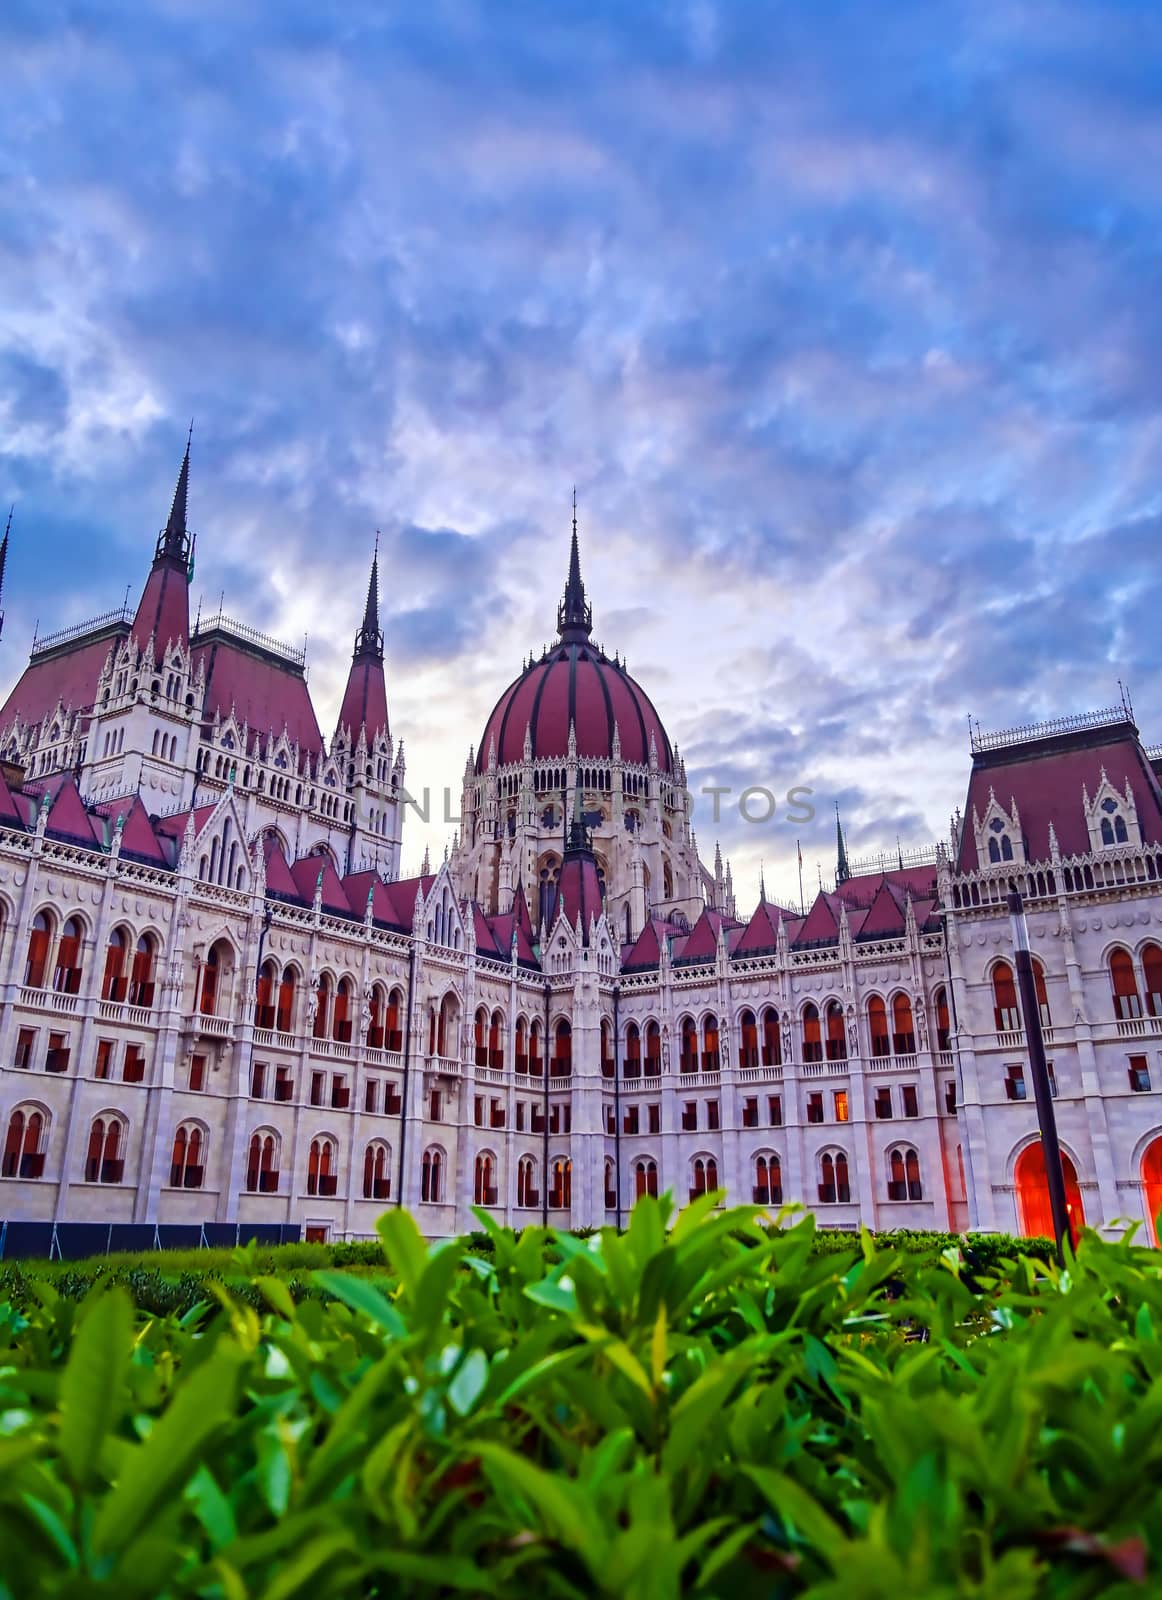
{"x": 715, "y": 1410}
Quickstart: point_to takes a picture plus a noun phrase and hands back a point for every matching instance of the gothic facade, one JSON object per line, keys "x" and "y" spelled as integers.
{"x": 220, "y": 1002}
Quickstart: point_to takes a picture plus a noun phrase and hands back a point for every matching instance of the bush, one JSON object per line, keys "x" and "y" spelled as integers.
{"x": 713, "y": 1410}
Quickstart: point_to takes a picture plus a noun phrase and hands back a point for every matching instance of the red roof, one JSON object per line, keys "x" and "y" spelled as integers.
{"x": 357, "y": 886}
{"x": 175, "y": 825}
{"x": 264, "y": 694}
{"x": 862, "y": 890}
{"x": 68, "y": 677}
{"x": 279, "y": 880}
{"x": 821, "y": 925}
{"x": 702, "y": 944}
{"x": 138, "y": 838}
{"x": 364, "y": 700}
{"x": 647, "y": 948}
{"x": 761, "y": 933}
{"x": 164, "y": 607}
{"x": 305, "y": 873}
{"x": 10, "y": 811}
{"x": 886, "y": 915}
{"x": 1045, "y": 778}
{"x": 574, "y": 684}
{"x": 68, "y": 818}
{"x": 402, "y": 895}
{"x": 578, "y": 891}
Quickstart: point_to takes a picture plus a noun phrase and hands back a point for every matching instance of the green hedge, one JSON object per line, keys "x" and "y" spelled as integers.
{"x": 175, "y": 1281}
{"x": 713, "y": 1409}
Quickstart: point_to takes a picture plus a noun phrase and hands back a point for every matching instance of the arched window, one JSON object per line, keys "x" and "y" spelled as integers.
{"x": 1152, "y": 969}
{"x": 105, "y": 1162}
{"x": 431, "y": 1177}
{"x": 377, "y": 1171}
{"x": 1033, "y": 1205}
{"x": 943, "y": 1020}
{"x": 877, "y": 1027}
{"x": 912, "y": 1174}
{"x": 653, "y": 1050}
{"x": 608, "y": 1065}
{"x": 393, "y": 1026}
{"x": 711, "y": 1061}
{"x": 113, "y": 985}
{"x": 1006, "y": 1012}
{"x": 772, "y": 1040}
{"x": 527, "y": 1193}
{"x": 536, "y": 1055}
{"x": 141, "y": 982}
{"x": 210, "y": 976}
{"x": 187, "y": 1164}
{"x": 342, "y": 1022}
{"x": 748, "y": 1040}
{"x": 561, "y": 1187}
{"x": 284, "y": 1016}
{"x": 632, "y": 1065}
{"x": 836, "y": 1033}
{"x": 322, "y": 1175}
{"x": 903, "y": 1027}
{"x": 833, "y": 1181}
{"x": 262, "y": 1163}
{"x": 812, "y": 1038}
{"x": 484, "y": 1182}
{"x": 768, "y": 1181}
{"x": 1151, "y": 1188}
{"x": 496, "y": 1042}
{"x": 897, "y": 1181}
{"x": 704, "y": 1176}
{"x": 645, "y": 1178}
{"x": 375, "y": 1032}
{"x": 689, "y": 1057}
{"x": 323, "y": 1007}
{"x": 38, "y": 942}
{"x": 562, "y": 1064}
{"x": 480, "y": 1036}
{"x": 67, "y": 977}
{"x": 264, "y": 996}
{"x": 1127, "y": 1003}
{"x": 24, "y": 1145}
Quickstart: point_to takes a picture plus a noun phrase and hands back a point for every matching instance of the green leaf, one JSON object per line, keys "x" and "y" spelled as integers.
{"x": 405, "y": 1246}
{"x": 93, "y": 1382}
{"x": 804, "y": 1513}
{"x": 565, "y": 1510}
{"x": 363, "y": 1296}
{"x": 468, "y": 1384}
{"x": 159, "y": 1467}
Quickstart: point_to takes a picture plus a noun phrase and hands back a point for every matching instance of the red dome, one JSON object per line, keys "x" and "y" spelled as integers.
{"x": 574, "y": 684}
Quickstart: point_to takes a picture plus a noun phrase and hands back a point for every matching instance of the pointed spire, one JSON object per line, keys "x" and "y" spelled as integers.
{"x": 173, "y": 542}
{"x": 4, "y": 563}
{"x": 842, "y": 870}
{"x": 574, "y": 614}
{"x": 762, "y": 885}
{"x": 369, "y": 639}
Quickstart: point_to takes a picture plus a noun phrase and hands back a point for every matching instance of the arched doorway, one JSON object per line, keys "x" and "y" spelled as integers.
{"x": 1152, "y": 1186}
{"x": 1033, "y": 1206}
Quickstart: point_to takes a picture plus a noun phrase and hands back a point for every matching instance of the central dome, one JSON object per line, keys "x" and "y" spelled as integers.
{"x": 574, "y": 684}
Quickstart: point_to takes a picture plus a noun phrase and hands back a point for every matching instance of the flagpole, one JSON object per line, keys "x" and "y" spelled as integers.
{"x": 799, "y": 848}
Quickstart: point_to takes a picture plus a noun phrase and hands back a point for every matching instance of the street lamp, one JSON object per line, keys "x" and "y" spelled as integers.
{"x": 1046, "y": 1118}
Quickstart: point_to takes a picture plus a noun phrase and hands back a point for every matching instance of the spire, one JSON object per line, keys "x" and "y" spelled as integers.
{"x": 574, "y": 614}
{"x": 369, "y": 639}
{"x": 173, "y": 542}
{"x": 762, "y": 885}
{"x": 842, "y": 870}
{"x": 4, "y": 563}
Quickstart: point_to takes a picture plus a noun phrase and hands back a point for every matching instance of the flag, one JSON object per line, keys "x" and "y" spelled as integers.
{"x": 799, "y": 847}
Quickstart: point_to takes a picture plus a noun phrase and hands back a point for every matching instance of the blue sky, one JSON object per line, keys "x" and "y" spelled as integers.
{"x": 843, "y": 318}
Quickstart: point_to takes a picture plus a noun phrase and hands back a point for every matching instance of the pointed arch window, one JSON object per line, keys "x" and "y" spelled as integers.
{"x": 431, "y": 1177}
{"x": 141, "y": 981}
{"x": 812, "y": 1035}
{"x": 645, "y": 1178}
{"x": 704, "y": 1176}
{"x": 24, "y": 1144}
{"x": 105, "y": 1162}
{"x": 772, "y": 1039}
{"x": 688, "y": 1061}
{"x": 187, "y": 1163}
{"x": 748, "y": 1040}
{"x": 836, "y": 1033}
{"x": 284, "y": 1015}
{"x": 1127, "y": 1001}
{"x": 484, "y": 1181}
{"x": 903, "y": 1026}
{"x": 67, "y": 976}
{"x": 1006, "y": 1011}
{"x": 38, "y": 942}
{"x": 377, "y": 1171}
{"x": 768, "y": 1181}
{"x": 262, "y": 1164}
{"x": 322, "y": 1174}
{"x": 113, "y": 986}
{"x": 527, "y": 1193}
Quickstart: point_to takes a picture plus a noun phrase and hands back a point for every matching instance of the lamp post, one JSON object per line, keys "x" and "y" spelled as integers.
{"x": 1046, "y": 1117}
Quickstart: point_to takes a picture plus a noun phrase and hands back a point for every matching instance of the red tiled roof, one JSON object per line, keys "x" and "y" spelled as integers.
{"x": 862, "y": 890}
{"x": 761, "y": 932}
{"x": 164, "y": 607}
{"x": 702, "y": 944}
{"x": 69, "y": 677}
{"x": 647, "y": 948}
{"x": 821, "y": 925}
{"x": 175, "y": 825}
{"x": 886, "y": 915}
{"x": 68, "y": 818}
{"x": 138, "y": 838}
{"x": 402, "y": 894}
{"x": 279, "y": 879}
{"x": 364, "y": 700}
{"x": 1045, "y": 778}
{"x": 578, "y": 891}
{"x": 263, "y": 694}
{"x": 305, "y": 873}
{"x": 10, "y": 811}
{"x": 357, "y": 885}
{"x": 575, "y": 683}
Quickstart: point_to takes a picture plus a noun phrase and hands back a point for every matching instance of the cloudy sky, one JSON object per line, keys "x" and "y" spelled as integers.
{"x": 844, "y": 319}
